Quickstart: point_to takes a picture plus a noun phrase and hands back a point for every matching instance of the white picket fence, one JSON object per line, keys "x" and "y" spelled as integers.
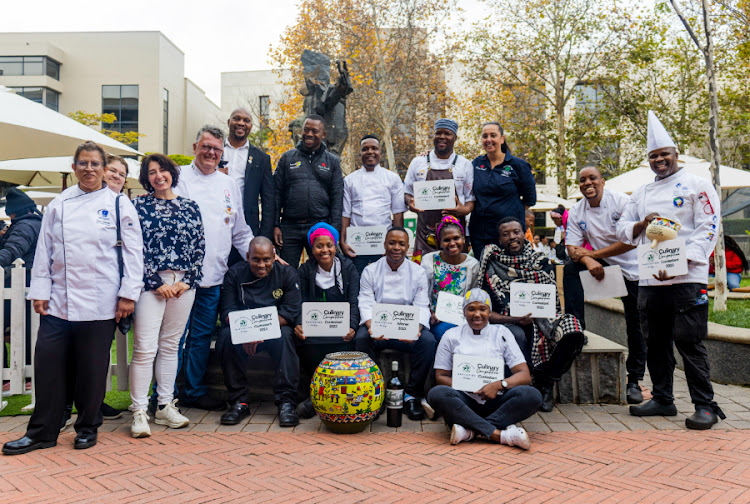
{"x": 18, "y": 371}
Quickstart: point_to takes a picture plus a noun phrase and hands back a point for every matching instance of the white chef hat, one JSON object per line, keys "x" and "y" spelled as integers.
{"x": 658, "y": 138}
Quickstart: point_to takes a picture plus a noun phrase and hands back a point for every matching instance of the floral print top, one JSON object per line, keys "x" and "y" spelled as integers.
{"x": 454, "y": 279}
{"x": 173, "y": 238}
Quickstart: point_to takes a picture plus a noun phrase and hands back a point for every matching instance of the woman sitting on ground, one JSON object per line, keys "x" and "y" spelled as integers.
{"x": 736, "y": 263}
{"x": 493, "y": 410}
{"x": 327, "y": 277}
{"x": 449, "y": 269}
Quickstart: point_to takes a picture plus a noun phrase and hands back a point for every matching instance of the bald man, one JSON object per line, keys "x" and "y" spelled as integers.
{"x": 257, "y": 283}
{"x": 251, "y": 170}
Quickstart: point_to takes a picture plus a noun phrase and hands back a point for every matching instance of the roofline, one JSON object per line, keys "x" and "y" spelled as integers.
{"x": 108, "y": 32}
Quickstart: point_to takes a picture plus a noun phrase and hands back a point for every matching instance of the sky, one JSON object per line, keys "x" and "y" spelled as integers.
{"x": 216, "y": 36}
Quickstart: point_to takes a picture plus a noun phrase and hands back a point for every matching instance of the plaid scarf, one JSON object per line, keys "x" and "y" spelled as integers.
{"x": 499, "y": 269}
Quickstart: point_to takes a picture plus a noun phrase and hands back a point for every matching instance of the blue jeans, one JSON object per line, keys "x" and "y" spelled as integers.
{"x": 194, "y": 357}
{"x": 439, "y": 329}
{"x": 733, "y": 280}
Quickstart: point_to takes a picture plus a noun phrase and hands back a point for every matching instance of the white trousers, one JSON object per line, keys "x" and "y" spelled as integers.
{"x": 158, "y": 326}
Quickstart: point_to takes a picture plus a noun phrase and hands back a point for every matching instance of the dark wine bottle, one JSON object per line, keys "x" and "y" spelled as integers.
{"x": 394, "y": 398}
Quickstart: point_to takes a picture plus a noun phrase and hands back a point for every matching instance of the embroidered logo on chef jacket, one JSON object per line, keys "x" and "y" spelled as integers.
{"x": 506, "y": 171}
{"x": 226, "y": 220}
{"x": 679, "y": 201}
{"x": 278, "y": 293}
{"x": 616, "y": 216}
{"x": 707, "y": 207}
{"x": 680, "y": 190}
{"x": 102, "y": 217}
{"x": 582, "y": 225}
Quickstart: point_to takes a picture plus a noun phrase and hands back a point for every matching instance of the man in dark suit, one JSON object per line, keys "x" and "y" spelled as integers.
{"x": 251, "y": 169}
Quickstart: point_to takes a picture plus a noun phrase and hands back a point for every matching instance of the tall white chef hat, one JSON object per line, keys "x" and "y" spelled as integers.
{"x": 658, "y": 138}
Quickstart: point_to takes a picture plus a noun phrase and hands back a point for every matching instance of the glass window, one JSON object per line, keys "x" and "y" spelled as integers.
{"x": 165, "y": 121}
{"x": 11, "y": 65}
{"x": 122, "y": 101}
{"x": 53, "y": 69}
{"x": 45, "y": 96}
{"x": 29, "y": 65}
{"x": 52, "y": 99}
{"x": 265, "y": 106}
{"x": 33, "y": 65}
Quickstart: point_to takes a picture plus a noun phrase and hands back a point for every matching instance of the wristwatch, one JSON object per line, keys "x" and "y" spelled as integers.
{"x": 504, "y": 384}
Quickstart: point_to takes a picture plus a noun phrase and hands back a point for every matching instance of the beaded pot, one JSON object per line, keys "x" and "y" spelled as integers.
{"x": 347, "y": 391}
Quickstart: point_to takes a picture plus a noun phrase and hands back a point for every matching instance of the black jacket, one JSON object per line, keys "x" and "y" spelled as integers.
{"x": 309, "y": 187}
{"x": 259, "y": 184}
{"x": 241, "y": 290}
{"x": 20, "y": 241}
{"x": 349, "y": 276}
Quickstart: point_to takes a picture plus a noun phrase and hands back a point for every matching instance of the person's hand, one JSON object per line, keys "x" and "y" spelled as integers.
{"x": 458, "y": 211}
{"x": 489, "y": 391}
{"x": 410, "y": 204}
{"x": 368, "y": 324}
{"x": 433, "y": 319}
{"x": 299, "y": 332}
{"x": 41, "y": 306}
{"x": 662, "y": 277}
{"x": 251, "y": 348}
{"x": 579, "y": 253}
{"x": 595, "y": 268}
{"x": 124, "y": 308}
{"x": 180, "y": 288}
{"x": 347, "y": 250}
{"x": 525, "y": 320}
{"x": 278, "y": 240}
{"x": 279, "y": 259}
{"x": 165, "y": 291}
{"x": 350, "y": 335}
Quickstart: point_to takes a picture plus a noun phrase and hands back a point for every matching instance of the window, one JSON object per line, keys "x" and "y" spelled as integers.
{"x": 29, "y": 65}
{"x": 122, "y": 101}
{"x": 264, "y": 108}
{"x": 165, "y": 119}
{"x": 46, "y": 96}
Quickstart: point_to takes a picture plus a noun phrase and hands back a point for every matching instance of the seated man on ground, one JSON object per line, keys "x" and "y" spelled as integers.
{"x": 555, "y": 342}
{"x": 258, "y": 283}
{"x": 493, "y": 410}
{"x": 395, "y": 280}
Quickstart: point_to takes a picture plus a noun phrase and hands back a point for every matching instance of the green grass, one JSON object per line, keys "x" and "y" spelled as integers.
{"x": 737, "y": 314}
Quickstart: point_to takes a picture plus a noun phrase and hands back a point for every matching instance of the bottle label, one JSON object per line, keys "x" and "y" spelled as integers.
{"x": 394, "y": 398}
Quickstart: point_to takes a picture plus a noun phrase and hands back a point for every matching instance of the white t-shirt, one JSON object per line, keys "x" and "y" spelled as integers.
{"x": 598, "y": 226}
{"x": 370, "y": 198}
{"x": 237, "y": 162}
{"x": 463, "y": 174}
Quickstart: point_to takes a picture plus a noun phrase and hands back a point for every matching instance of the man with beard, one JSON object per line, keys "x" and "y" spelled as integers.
{"x": 309, "y": 189}
{"x": 593, "y": 220}
{"x": 441, "y": 163}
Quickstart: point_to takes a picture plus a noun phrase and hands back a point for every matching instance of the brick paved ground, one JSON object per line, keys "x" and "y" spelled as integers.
{"x": 646, "y": 460}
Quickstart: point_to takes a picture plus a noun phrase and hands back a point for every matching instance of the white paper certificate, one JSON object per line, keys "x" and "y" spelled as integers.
{"x": 435, "y": 194}
{"x": 471, "y": 373}
{"x": 612, "y": 285}
{"x": 449, "y": 308}
{"x": 366, "y": 240}
{"x": 325, "y": 319}
{"x": 668, "y": 256}
{"x": 259, "y": 324}
{"x": 395, "y": 321}
{"x": 537, "y": 299}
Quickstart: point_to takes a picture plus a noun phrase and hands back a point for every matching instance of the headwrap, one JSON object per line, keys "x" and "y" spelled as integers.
{"x": 477, "y": 295}
{"x": 554, "y": 214}
{"x": 448, "y": 219}
{"x": 322, "y": 229}
{"x": 448, "y": 124}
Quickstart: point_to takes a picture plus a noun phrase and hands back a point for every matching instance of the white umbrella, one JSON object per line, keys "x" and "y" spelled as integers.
{"x": 46, "y": 173}
{"x": 546, "y": 202}
{"x": 29, "y": 129}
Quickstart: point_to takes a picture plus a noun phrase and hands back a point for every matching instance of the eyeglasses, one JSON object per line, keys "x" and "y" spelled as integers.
{"x": 83, "y": 164}
{"x": 208, "y": 148}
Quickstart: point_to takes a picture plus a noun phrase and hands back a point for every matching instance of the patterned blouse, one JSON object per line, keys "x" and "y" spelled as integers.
{"x": 173, "y": 238}
{"x": 452, "y": 278}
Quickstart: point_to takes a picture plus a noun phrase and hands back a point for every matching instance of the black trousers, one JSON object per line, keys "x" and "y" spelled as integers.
{"x": 421, "y": 355}
{"x": 234, "y": 362}
{"x": 313, "y": 350}
{"x": 670, "y": 314}
{"x": 294, "y": 235}
{"x": 85, "y": 346}
{"x": 574, "y": 304}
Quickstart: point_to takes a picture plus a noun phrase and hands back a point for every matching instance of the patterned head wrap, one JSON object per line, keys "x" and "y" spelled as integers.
{"x": 448, "y": 124}
{"x": 448, "y": 219}
{"x": 477, "y": 295}
{"x": 322, "y": 229}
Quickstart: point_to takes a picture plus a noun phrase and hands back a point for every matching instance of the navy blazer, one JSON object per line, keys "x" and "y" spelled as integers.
{"x": 259, "y": 184}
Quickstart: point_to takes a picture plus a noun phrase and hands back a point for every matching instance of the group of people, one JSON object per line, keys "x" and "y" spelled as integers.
{"x": 225, "y": 234}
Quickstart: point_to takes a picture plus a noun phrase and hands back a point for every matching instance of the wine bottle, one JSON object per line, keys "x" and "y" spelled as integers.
{"x": 394, "y": 398}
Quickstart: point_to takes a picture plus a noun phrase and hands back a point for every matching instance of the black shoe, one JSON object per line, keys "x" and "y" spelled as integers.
{"x": 25, "y": 445}
{"x": 204, "y": 402}
{"x": 109, "y": 413}
{"x": 84, "y": 440}
{"x": 66, "y": 420}
{"x": 305, "y": 409}
{"x": 548, "y": 398}
{"x": 414, "y": 409}
{"x": 702, "y": 419}
{"x": 653, "y": 408}
{"x": 634, "y": 394}
{"x": 288, "y": 415}
{"x": 236, "y": 414}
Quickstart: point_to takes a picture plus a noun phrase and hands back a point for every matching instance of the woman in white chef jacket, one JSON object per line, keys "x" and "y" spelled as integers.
{"x": 77, "y": 290}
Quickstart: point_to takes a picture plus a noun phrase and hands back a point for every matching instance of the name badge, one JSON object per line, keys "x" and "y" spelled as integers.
{"x": 471, "y": 373}
{"x": 395, "y": 321}
{"x": 325, "y": 319}
{"x": 434, "y": 194}
{"x": 259, "y": 324}
{"x": 667, "y": 256}
{"x": 449, "y": 308}
{"x": 612, "y": 285}
{"x": 366, "y": 240}
{"x": 537, "y": 299}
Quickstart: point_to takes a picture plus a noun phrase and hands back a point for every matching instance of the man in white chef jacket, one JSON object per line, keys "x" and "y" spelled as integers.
{"x": 394, "y": 279}
{"x": 220, "y": 202}
{"x": 77, "y": 289}
{"x": 675, "y": 308}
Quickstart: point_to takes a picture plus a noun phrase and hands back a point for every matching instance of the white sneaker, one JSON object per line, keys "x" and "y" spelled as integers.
{"x": 459, "y": 433}
{"x": 170, "y": 416}
{"x": 515, "y": 436}
{"x": 140, "y": 426}
{"x": 429, "y": 411}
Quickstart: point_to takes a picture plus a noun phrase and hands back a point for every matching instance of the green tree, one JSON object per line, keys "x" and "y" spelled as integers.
{"x": 128, "y": 138}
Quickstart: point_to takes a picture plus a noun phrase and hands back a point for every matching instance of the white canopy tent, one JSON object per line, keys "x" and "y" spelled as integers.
{"x": 546, "y": 202}
{"x": 46, "y": 173}
{"x": 29, "y": 129}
